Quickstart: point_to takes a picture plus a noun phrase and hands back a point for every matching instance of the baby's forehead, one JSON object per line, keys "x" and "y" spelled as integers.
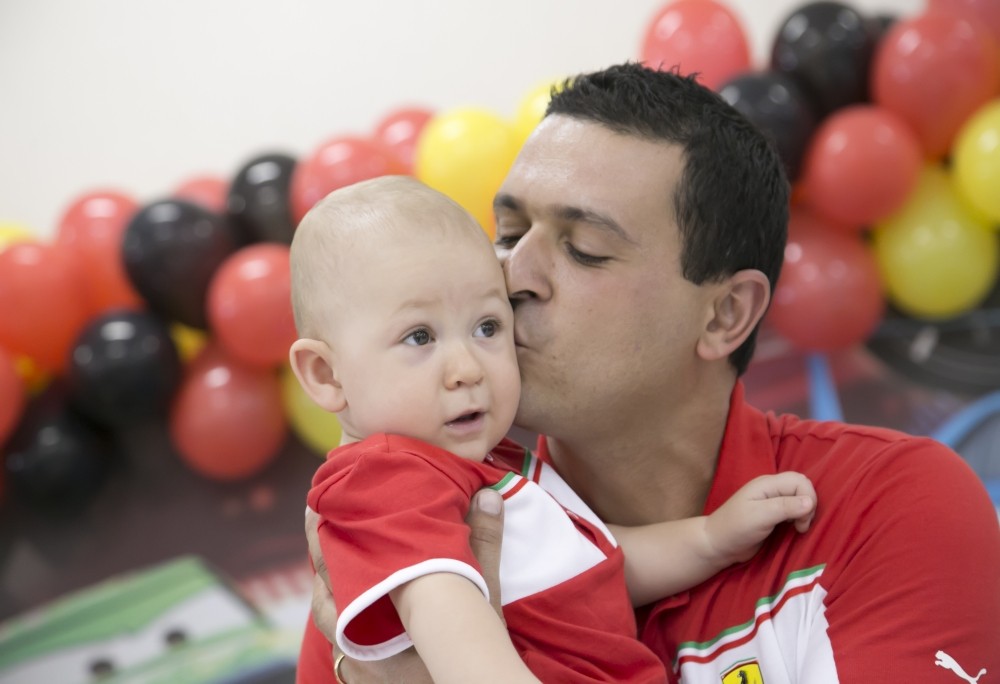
{"x": 416, "y": 222}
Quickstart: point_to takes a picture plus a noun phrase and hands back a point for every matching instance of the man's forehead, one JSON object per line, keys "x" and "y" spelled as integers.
{"x": 580, "y": 151}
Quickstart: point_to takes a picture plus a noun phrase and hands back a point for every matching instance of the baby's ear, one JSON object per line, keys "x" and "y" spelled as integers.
{"x": 312, "y": 363}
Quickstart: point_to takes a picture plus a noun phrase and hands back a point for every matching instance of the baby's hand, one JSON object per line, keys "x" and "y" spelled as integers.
{"x": 736, "y": 530}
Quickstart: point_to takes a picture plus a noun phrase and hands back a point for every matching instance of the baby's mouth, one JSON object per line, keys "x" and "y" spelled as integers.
{"x": 466, "y": 418}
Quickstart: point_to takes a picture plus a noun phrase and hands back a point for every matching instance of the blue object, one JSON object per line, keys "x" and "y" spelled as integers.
{"x": 824, "y": 404}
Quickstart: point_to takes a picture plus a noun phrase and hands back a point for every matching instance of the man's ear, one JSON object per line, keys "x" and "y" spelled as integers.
{"x": 740, "y": 303}
{"x": 312, "y": 363}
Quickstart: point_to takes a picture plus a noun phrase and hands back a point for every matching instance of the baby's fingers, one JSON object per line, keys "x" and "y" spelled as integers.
{"x": 776, "y": 510}
{"x": 794, "y": 491}
{"x": 787, "y": 483}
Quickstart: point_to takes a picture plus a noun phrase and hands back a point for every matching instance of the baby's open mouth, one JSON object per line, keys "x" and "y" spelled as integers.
{"x": 466, "y": 418}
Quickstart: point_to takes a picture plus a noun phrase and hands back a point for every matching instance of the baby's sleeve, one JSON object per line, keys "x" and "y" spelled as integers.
{"x": 386, "y": 519}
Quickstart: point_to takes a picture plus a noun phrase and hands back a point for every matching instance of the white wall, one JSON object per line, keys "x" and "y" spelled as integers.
{"x": 140, "y": 95}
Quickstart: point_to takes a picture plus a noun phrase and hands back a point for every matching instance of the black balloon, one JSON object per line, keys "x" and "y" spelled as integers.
{"x": 171, "y": 251}
{"x": 881, "y": 23}
{"x": 775, "y": 104}
{"x": 827, "y": 47}
{"x": 56, "y": 460}
{"x": 258, "y": 199}
{"x": 124, "y": 368}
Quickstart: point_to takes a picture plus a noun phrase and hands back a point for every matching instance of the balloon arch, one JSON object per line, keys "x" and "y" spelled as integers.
{"x": 179, "y": 308}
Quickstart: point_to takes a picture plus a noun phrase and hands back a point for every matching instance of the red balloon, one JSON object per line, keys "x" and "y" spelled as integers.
{"x": 250, "y": 306}
{"x": 12, "y": 393}
{"x": 227, "y": 421}
{"x": 829, "y": 296}
{"x": 934, "y": 71}
{"x": 210, "y": 192}
{"x": 985, "y": 11}
{"x": 43, "y": 303}
{"x": 399, "y": 131}
{"x": 336, "y": 164}
{"x": 697, "y": 36}
{"x": 861, "y": 165}
{"x": 93, "y": 228}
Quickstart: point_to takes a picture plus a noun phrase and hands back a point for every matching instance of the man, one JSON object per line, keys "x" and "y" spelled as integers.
{"x": 641, "y": 231}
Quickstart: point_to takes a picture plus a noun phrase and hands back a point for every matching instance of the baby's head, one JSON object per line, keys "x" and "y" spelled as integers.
{"x": 403, "y": 315}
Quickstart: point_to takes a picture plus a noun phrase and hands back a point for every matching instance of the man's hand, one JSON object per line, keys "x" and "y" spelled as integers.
{"x": 324, "y": 610}
{"x": 485, "y": 520}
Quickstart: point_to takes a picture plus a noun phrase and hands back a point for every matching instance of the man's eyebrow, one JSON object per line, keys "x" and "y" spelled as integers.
{"x": 580, "y": 215}
{"x": 505, "y": 201}
{"x": 569, "y": 214}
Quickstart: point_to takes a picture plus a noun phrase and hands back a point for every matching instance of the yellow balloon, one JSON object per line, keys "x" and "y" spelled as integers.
{"x": 976, "y": 160}
{"x": 531, "y": 109}
{"x": 466, "y": 153}
{"x": 11, "y": 233}
{"x": 189, "y": 341}
{"x": 35, "y": 379}
{"x": 937, "y": 258}
{"x": 318, "y": 429}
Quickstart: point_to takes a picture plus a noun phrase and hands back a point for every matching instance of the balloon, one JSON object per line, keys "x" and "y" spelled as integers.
{"x": 861, "y": 165}
{"x": 829, "y": 295}
{"x": 317, "y": 428}
{"x": 56, "y": 461}
{"x": 188, "y": 341}
{"x": 171, "y": 251}
{"x": 531, "y": 109}
{"x": 466, "y": 153}
{"x": 35, "y": 378}
{"x": 985, "y": 12}
{"x": 92, "y": 228}
{"x": 697, "y": 36}
{"x": 399, "y": 130}
{"x": 881, "y": 24}
{"x": 934, "y": 71}
{"x": 42, "y": 302}
{"x": 12, "y": 391}
{"x": 775, "y": 104}
{"x": 208, "y": 192}
{"x": 227, "y": 421}
{"x": 976, "y": 160}
{"x": 124, "y": 369}
{"x": 259, "y": 199}
{"x": 827, "y": 47}
{"x": 250, "y": 305}
{"x": 338, "y": 163}
{"x": 11, "y": 233}
{"x": 937, "y": 258}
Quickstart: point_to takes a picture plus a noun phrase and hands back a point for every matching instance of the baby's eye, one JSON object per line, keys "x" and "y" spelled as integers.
{"x": 488, "y": 328}
{"x": 418, "y": 338}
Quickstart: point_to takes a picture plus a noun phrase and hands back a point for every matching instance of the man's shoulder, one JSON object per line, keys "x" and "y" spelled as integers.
{"x": 869, "y": 461}
{"x": 796, "y": 438}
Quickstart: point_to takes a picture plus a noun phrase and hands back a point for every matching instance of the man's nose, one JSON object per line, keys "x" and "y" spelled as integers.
{"x": 462, "y": 367}
{"x": 527, "y": 268}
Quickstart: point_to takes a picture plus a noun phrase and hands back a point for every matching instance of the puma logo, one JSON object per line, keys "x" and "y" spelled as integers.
{"x": 947, "y": 662}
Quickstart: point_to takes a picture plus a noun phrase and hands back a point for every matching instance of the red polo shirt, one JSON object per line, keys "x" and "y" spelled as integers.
{"x": 898, "y": 578}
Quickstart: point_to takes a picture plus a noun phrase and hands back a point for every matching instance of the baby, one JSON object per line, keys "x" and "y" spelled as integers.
{"x": 407, "y": 335}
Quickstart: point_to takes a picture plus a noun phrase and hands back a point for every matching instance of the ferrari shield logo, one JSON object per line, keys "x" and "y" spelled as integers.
{"x": 747, "y": 672}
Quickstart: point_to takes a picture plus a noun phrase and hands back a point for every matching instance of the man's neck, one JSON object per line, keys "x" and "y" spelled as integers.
{"x": 661, "y": 470}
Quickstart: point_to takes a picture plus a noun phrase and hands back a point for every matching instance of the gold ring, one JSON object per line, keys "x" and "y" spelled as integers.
{"x": 336, "y": 668}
